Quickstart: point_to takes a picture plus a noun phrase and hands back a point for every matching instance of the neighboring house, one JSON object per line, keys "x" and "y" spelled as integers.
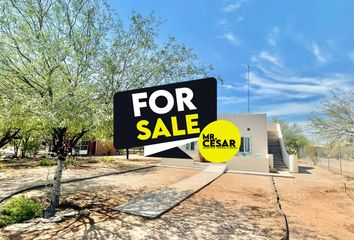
{"x": 91, "y": 148}
{"x": 262, "y": 147}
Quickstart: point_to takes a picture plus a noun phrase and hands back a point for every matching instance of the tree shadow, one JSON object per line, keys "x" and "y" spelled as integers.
{"x": 193, "y": 219}
{"x": 305, "y": 170}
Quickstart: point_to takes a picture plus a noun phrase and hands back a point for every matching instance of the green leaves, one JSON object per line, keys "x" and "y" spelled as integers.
{"x": 335, "y": 120}
{"x": 64, "y": 60}
{"x": 293, "y": 135}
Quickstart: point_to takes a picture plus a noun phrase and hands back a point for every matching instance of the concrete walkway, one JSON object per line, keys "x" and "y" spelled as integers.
{"x": 155, "y": 204}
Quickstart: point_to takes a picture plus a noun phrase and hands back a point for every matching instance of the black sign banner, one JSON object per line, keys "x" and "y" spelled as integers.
{"x": 164, "y": 113}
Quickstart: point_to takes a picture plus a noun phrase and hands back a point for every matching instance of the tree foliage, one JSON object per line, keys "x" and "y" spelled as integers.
{"x": 70, "y": 57}
{"x": 293, "y": 135}
{"x": 62, "y": 61}
{"x": 335, "y": 120}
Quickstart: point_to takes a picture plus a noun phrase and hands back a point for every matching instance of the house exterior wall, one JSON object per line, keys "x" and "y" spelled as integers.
{"x": 253, "y": 126}
{"x": 104, "y": 148}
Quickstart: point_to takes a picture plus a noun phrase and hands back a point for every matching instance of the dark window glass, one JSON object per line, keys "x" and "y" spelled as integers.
{"x": 241, "y": 146}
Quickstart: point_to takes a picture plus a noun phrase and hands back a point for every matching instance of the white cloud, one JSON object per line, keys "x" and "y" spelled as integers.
{"x": 295, "y": 87}
{"x": 222, "y": 22}
{"x": 286, "y": 109}
{"x": 234, "y": 6}
{"x": 264, "y": 55}
{"x": 233, "y": 86}
{"x": 240, "y": 19}
{"x": 272, "y": 36}
{"x": 224, "y": 100}
{"x": 317, "y": 52}
{"x": 230, "y": 37}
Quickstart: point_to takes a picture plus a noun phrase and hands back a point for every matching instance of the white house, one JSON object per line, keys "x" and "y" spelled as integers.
{"x": 262, "y": 147}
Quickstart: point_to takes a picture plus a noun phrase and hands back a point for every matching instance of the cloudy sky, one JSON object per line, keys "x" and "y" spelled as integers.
{"x": 298, "y": 50}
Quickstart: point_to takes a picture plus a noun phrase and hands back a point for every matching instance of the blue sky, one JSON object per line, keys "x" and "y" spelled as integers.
{"x": 298, "y": 51}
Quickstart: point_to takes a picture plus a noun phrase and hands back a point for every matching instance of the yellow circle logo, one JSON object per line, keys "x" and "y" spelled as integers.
{"x": 219, "y": 141}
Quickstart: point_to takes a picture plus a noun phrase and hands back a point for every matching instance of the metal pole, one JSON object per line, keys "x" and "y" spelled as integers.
{"x": 248, "y": 88}
{"x": 127, "y": 152}
{"x": 328, "y": 151}
{"x": 340, "y": 159}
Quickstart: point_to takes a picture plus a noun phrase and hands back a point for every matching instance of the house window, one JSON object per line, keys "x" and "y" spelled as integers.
{"x": 245, "y": 146}
{"x": 192, "y": 146}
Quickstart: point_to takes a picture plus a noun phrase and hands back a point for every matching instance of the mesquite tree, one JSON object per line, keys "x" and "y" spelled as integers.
{"x": 68, "y": 57}
{"x": 49, "y": 52}
{"x": 15, "y": 116}
{"x": 335, "y": 121}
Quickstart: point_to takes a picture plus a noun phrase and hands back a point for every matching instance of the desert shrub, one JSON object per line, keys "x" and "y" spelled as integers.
{"x": 70, "y": 161}
{"x": 47, "y": 162}
{"x": 6, "y": 220}
{"x": 311, "y": 153}
{"x": 108, "y": 159}
{"x": 18, "y": 210}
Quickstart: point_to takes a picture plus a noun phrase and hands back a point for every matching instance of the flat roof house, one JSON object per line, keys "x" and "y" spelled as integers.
{"x": 262, "y": 147}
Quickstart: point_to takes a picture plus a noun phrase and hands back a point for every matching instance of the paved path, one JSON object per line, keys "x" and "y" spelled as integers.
{"x": 155, "y": 204}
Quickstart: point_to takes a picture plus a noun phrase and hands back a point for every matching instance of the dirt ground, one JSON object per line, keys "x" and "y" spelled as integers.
{"x": 335, "y": 166}
{"x": 235, "y": 206}
{"x": 316, "y": 205}
{"x": 16, "y": 175}
{"x": 232, "y": 207}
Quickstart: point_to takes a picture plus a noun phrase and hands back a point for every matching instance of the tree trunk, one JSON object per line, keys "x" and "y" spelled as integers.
{"x": 61, "y": 148}
{"x": 55, "y": 197}
{"x": 59, "y": 136}
{"x": 8, "y": 136}
{"x": 15, "y": 150}
{"x": 23, "y": 152}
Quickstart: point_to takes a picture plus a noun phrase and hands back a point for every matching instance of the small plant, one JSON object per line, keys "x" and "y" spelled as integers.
{"x": 47, "y": 162}
{"x": 18, "y": 210}
{"x": 2, "y": 165}
{"x": 70, "y": 161}
{"x": 108, "y": 159}
{"x": 312, "y": 154}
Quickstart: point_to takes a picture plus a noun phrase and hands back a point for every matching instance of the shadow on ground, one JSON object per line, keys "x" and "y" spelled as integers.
{"x": 305, "y": 170}
{"x": 193, "y": 219}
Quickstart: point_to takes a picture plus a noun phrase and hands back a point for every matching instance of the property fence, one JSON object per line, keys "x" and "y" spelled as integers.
{"x": 344, "y": 167}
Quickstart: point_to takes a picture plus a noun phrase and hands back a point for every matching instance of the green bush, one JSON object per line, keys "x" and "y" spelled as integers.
{"x": 47, "y": 162}
{"x": 70, "y": 161}
{"x": 6, "y": 220}
{"x": 108, "y": 159}
{"x": 18, "y": 210}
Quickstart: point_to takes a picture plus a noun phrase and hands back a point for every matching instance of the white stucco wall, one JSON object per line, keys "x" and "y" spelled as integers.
{"x": 249, "y": 164}
{"x": 257, "y": 124}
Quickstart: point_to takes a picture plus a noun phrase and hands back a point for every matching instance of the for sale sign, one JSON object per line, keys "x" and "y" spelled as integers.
{"x": 164, "y": 113}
